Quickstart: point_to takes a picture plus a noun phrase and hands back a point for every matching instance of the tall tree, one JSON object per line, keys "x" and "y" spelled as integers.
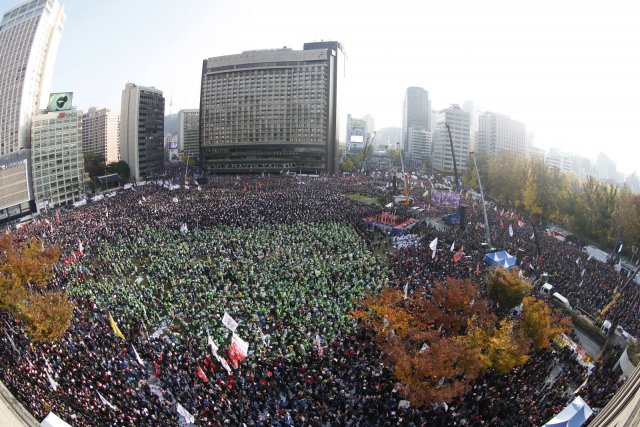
{"x": 506, "y": 287}
{"x": 24, "y": 271}
{"x": 540, "y": 324}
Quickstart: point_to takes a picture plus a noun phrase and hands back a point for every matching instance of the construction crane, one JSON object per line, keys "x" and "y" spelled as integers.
{"x": 367, "y": 150}
{"x": 453, "y": 155}
{"x": 616, "y": 297}
{"x": 406, "y": 201}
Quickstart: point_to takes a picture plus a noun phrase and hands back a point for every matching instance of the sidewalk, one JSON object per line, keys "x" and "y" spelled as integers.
{"x": 12, "y": 413}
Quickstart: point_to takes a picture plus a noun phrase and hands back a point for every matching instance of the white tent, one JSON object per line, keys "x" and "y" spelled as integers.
{"x": 573, "y": 415}
{"x": 52, "y": 420}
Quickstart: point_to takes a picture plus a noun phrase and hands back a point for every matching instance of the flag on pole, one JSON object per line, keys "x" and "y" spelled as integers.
{"x": 229, "y": 322}
{"x": 214, "y": 351}
{"x": 583, "y": 271}
{"x": 200, "y": 373}
{"x": 138, "y": 357}
{"x": 317, "y": 343}
{"x": 453, "y": 246}
{"x": 52, "y": 383}
{"x": 188, "y": 418}
{"x": 107, "y": 403}
{"x": 406, "y": 290}
{"x": 238, "y": 350}
{"x": 115, "y": 328}
{"x": 532, "y": 236}
{"x": 458, "y": 254}
{"x": 502, "y": 212}
{"x": 578, "y": 260}
{"x": 510, "y": 230}
{"x": 433, "y": 246}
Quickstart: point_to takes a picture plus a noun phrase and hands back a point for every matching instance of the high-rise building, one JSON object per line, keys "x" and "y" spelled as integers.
{"x": 189, "y": 133}
{"x": 57, "y": 158}
{"x": 419, "y": 145}
{"x": 273, "y": 110}
{"x": 16, "y": 194}
{"x": 606, "y": 167}
{"x": 458, "y": 121}
{"x": 371, "y": 125}
{"x": 101, "y": 134}
{"x": 498, "y": 132}
{"x": 142, "y": 131}
{"x": 416, "y": 114}
{"x": 558, "y": 159}
{"x": 356, "y": 133}
{"x": 29, "y": 38}
{"x": 171, "y": 152}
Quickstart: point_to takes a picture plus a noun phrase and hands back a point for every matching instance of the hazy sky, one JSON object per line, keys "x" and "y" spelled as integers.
{"x": 568, "y": 69}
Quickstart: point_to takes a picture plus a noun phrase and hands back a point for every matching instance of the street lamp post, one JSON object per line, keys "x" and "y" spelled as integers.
{"x": 484, "y": 207}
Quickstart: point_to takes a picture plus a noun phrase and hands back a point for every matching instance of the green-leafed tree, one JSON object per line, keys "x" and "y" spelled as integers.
{"x": 506, "y": 287}
{"x": 121, "y": 168}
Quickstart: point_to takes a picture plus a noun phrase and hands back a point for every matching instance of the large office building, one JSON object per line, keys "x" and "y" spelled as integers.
{"x": 101, "y": 134}
{"x": 459, "y": 124}
{"x": 142, "y": 131}
{"x": 29, "y": 38}
{"x": 356, "y": 133}
{"x": 419, "y": 145}
{"x": 189, "y": 133}
{"x": 16, "y": 198}
{"x": 57, "y": 158}
{"x": 416, "y": 115}
{"x": 498, "y": 132}
{"x": 273, "y": 110}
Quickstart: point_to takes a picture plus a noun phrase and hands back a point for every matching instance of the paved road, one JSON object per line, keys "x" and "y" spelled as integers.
{"x": 590, "y": 346}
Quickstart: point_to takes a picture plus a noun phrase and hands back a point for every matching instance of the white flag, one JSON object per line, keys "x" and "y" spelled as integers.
{"x": 453, "y": 246}
{"x": 510, "y": 230}
{"x": 184, "y": 229}
{"x": 589, "y": 259}
{"x": 135, "y": 352}
{"x": 188, "y": 418}
{"x": 214, "y": 351}
{"x": 229, "y": 322}
{"x": 583, "y": 271}
{"x": 106, "y": 402}
{"x": 533, "y": 235}
{"x": 175, "y": 200}
{"x": 46, "y": 362}
{"x": 11, "y": 342}
{"x": 578, "y": 260}
{"x": 406, "y": 290}
{"x": 433, "y": 245}
{"x": 52, "y": 383}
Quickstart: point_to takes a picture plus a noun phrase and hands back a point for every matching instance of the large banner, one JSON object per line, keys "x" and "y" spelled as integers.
{"x": 445, "y": 198}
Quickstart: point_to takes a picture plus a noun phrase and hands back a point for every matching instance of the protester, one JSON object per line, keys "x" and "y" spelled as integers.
{"x": 286, "y": 258}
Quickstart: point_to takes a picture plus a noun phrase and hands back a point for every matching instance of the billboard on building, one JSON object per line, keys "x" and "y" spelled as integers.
{"x": 60, "y": 101}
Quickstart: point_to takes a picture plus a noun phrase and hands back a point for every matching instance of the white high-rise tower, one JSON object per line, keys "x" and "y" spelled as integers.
{"x": 29, "y": 38}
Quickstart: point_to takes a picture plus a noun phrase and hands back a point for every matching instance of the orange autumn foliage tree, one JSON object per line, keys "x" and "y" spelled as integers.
{"x": 423, "y": 337}
{"x": 24, "y": 271}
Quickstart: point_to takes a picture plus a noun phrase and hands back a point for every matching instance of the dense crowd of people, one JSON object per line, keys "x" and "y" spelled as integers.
{"x": 287, "y": 257}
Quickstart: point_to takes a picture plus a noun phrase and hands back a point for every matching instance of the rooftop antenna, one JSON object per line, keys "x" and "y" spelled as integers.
{"x": 170, "y": 103}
